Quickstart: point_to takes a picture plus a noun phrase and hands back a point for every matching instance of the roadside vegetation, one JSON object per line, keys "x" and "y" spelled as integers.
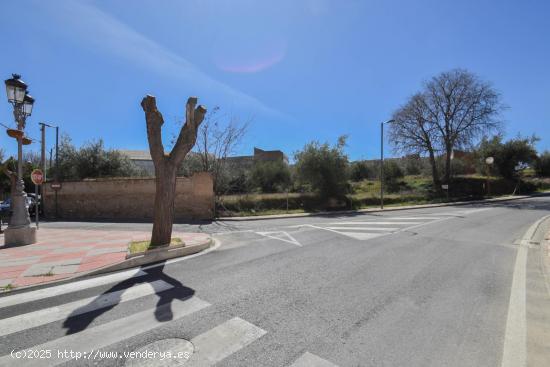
{"x": 448, "y": 137}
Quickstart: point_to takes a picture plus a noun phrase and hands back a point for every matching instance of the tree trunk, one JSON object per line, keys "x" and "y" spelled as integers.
{"x": 435, "y": 173}
{"x": 448, "y": 164}
{"x": 166, "y": 165}
{"x": 163, "y": 215}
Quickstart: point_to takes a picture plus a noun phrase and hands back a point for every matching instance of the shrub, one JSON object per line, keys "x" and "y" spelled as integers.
{"x": 359, "y": 171}
{"x": 542, "y": 165}
{"x": 392, "y": 175}
{"x": 324, "y": 168}
{"x": 509, "y": 155}
{"x": 270, "y": 176}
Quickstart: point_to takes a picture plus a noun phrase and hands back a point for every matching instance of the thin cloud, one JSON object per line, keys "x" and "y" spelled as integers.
{"x": 102, "y": 30}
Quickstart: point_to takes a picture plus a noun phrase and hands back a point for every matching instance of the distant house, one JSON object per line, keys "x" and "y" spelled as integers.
{"x": 142, "y": 159}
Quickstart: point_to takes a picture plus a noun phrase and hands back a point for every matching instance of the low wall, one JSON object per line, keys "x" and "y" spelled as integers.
{"x": 128, "y": 199}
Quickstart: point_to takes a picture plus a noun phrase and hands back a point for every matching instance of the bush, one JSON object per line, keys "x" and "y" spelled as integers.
{"x": 92, "y": 160}
{"x": 359, "y": 171}
{"x": 542, "y": 165}
{"x": 324, "y": 168}
{"x": 270, "y": 176}
{"x": 413, "y": 164}
{"x": 509, "y": 155}
{"x": 392, "y": 175}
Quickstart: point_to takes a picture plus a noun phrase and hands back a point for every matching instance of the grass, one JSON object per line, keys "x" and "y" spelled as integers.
{"x": 7, "y": 288}
{"x": 141, "y": 246}
{"x": 410, "y": 190}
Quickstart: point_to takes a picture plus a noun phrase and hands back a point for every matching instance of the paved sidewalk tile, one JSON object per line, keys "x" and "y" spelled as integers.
{"x": 64, "y": 253}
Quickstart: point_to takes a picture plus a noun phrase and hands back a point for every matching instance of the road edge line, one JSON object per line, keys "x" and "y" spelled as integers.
{"x": 514, "y": 353}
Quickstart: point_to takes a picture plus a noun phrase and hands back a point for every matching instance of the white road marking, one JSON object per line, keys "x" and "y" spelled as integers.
{"x": 82, "y": 306}
{"x": 109, "y": 333}
{"x": 59, "y": 290}
{"x": 375, "y": 222}
{"x": 514, "y": 353}
{"x": 282, "y": 236}
{"x": 363, "y": 236}
{"x": 311, "y": 360}
{"x": 353, "y": 229}
{"x": 409, "y": 218}
{"x": 220, "y": 342}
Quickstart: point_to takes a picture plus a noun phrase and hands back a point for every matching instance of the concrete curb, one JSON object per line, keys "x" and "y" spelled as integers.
{"x": 374, "y": 210}
{"x": 157, "y": 256}
{"x": 154, "y": 256}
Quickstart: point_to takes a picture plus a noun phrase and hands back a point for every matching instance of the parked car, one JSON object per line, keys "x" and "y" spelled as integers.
{"x": 5, "y": 206}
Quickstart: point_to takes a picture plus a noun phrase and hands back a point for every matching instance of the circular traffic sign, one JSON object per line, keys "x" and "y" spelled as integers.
{"x": 37, "y": 177}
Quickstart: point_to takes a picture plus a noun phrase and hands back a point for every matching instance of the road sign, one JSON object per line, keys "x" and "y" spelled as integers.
{"x": 56, "y": 185}
{"x": 445, "y": 187}
{"x": 37, "y": 177}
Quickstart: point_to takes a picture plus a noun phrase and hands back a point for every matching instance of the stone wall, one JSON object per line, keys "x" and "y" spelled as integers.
{"x": 128, "y": 199}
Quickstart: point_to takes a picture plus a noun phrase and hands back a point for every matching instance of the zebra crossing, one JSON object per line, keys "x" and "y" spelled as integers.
{"x": 83, "y": 346}
{"x": 377, "y": 226}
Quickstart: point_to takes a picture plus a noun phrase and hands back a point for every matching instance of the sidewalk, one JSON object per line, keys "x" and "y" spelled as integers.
{"x": 66, "y": 253}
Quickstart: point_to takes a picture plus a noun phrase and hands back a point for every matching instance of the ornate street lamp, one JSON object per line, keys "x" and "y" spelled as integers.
{"x": 19, "y": 231}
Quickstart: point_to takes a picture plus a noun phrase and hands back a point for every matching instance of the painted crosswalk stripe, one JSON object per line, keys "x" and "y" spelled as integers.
{"x": 111, "y": 333}
{"x": 51, "y": 314}
{"x": 59, "y": 290}
{"x": 311, "y": 360}
{"x": 220, "y": 342}
{"x": 361, "y": 236}
{"x": 372, "y": 222}
{"x": 410, "y": 218}
{"x": 376, "y": 229}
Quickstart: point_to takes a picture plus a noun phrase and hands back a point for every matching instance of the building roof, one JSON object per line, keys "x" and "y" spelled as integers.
{"x": 137, "y": 155}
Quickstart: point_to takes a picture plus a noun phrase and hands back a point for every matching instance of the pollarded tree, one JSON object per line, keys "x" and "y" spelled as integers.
{"x": 166, "y": 165}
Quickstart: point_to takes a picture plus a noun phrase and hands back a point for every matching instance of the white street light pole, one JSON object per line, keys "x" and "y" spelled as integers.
{"x": 19, "y": 231}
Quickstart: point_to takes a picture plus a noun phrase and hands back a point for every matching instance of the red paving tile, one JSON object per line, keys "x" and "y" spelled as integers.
{"x": 117, "y": 256}
{"x": 24, "y": 281}
{"x": 59, "y": 257}
{"x": 83, "y": 241}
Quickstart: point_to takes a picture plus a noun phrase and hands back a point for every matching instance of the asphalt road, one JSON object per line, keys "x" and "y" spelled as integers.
{"x": 424, "y": 287}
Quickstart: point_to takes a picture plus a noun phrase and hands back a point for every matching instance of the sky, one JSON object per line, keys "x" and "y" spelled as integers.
{"x": 299, "y": 70}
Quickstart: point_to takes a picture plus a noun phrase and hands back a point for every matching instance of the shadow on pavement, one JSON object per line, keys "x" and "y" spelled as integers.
{"x": 79, "y": 319}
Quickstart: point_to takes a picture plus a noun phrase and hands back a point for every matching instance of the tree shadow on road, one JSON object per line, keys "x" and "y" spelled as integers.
{"x": 81, "y": 318}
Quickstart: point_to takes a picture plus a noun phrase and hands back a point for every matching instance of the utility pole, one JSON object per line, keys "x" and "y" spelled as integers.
{"x": 381, "y": 165}
{"x": 382, "y": 161}
{"x": 56, "y": 167}
{"x": 40, "y": 203}
{"x": 43, "y": 126}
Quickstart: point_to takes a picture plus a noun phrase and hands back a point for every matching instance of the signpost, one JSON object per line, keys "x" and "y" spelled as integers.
{"x": 37, "y": 178}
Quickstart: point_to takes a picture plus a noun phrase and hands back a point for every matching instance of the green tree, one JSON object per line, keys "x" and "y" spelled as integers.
{"x": 392, "y": 175}
{"x": 92, "y": 160}
{"x": 359, "y": 170}
{"x": 270, "y": 176}
{"x": 542, "y": 165}
{"x": 508, "y": 155}
{"x": 323, "y": 167}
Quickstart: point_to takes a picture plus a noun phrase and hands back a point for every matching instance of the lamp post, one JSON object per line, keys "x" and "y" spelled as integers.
{"x": 19, "y": 231}
{"x": 382, "y": 161}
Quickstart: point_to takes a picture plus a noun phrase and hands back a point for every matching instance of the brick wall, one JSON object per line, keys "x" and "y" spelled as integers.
{"x": 129, "y": 199}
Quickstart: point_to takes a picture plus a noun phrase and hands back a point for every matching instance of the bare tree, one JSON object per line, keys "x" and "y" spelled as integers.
{"x": 166, "y": 165}
{"x": 217, "y": 139}
{"x": 463, "y": 108}
{"x": 412, "y": 132}
{"x": 453, "y": 110}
